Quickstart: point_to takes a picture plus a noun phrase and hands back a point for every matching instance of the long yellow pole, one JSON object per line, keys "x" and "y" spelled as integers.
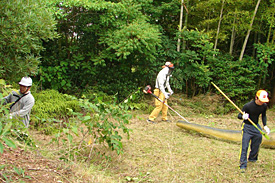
{"x": 264, "y": 134}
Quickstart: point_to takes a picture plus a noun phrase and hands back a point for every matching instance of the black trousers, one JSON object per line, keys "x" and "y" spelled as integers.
{"x": 252, "y": 135}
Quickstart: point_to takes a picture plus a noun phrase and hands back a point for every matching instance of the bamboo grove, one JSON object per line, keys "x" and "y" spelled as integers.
{"x": 116, "y": 46}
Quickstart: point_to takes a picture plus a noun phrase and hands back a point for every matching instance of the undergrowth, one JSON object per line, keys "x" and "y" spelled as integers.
{"x": 78, "y": 124}
{"x": 96, "y": 126}
{"x": 52, "y": 110}
{"x": 75, "y": 125}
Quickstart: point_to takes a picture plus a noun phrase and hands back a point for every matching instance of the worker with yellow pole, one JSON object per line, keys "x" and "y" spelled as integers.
{"x": 251, "y": 130}
{"x": 253, "y": 110}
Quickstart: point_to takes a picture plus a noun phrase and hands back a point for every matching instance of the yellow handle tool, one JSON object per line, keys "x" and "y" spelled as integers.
{"x": 263, "y": 133}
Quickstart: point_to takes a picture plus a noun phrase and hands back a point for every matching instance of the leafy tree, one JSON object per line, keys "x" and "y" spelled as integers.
{"x": 267, "y": 12}
{"x": 24, "y": 26}
{"x": 234, "y": 22}
{"x": 192, "y": 72}
{"x": 235, "y": 77}
{"x": 249, "y": 29}
{"x": 85, "y": 55}
{"x": 266, "y": 68}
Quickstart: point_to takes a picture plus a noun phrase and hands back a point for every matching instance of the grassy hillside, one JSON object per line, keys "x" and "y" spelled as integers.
{"x": 159, "y": 152}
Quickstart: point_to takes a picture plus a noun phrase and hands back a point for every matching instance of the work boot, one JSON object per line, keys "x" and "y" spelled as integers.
{"x": 252, "y": 161}
{"x": 150, "y": 121}
{"x": 242, "y": 170}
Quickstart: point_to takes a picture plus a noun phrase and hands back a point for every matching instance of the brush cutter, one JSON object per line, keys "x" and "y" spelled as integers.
{"x": 263, "y": 133}
{"x": 147, "y": 90}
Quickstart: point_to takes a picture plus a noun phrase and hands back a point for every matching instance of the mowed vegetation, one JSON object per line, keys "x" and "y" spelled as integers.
{"x": 159, "y": 152}
{"x": 165, "y": 153}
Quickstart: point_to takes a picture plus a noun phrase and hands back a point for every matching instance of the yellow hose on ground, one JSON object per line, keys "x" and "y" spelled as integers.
{"x": 231, "y": 135}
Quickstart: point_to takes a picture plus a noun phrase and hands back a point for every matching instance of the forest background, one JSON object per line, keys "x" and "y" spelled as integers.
{"x": 109, "y": 50}
{"x": 117, "y": 46}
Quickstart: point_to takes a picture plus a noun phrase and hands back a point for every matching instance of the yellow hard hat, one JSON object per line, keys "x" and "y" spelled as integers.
{"x": 262, "y": 96}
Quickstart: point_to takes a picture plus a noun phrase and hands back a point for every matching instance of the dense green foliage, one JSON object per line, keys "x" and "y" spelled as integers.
{"x": 73, "y": 122}
{"x": 51, "y": 110}
{"x": 7, "y": 124}
{"x": 68, "y": 118}
{"x": 24, "y": 26}
{"x": 118, "y": 46}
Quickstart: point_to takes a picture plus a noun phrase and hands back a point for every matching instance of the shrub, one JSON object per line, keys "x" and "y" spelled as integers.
{"x": 52, "y": 106}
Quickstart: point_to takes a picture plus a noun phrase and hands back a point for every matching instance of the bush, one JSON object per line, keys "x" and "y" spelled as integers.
{"x": 68, "y": 118}
{"x": 51, "y": 106}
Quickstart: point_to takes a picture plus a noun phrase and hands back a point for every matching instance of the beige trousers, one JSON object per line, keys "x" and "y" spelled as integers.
{"x": 159, "y": 106}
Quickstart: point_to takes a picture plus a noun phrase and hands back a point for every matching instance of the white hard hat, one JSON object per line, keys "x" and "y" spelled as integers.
{"x": 169, "y": 65}
{"x": 26, "y": 81}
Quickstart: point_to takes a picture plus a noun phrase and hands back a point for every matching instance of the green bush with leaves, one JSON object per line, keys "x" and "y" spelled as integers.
{"x": 5, "y": 123}
{"x": 192, "y": 73}
{"x": 51, "y": 103}
{"x": 50, "y": 107}
{"x": 24, "y": 26}
{"x": 103, "y": 122}
{"x": 106, "y": 121}
{"x": 97, "y": 116}
{"x": 5, "y": 129}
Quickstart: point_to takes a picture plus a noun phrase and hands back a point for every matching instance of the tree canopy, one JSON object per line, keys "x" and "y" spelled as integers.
{"x": 119, "y": 45}
{"x": 24, "y": 26}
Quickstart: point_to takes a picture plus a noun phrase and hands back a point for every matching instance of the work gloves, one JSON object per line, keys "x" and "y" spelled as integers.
{"x": 267, "y": 129}
{"x": 9, "y": 116}
{"x": 167, "y": 95}
{"x": 245, "y": 116}
{"x": 171, "y": 92}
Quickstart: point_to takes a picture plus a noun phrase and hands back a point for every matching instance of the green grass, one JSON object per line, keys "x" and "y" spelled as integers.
{"x": 171, "y": 154}
{"x": 165, "y": 153}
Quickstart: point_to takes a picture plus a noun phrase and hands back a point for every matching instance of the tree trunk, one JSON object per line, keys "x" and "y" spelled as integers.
{"x": 269, "y": 34}
{"x": 180, "y": 27}
{"x": 272, "y": 42}
{"x": 272, "y": 98}
{"x": 249, "y": 29}
{"x": 255, "y": 41}
{"x": 186, "y": 87}
{"x": 219, "y": 25}
{"x": 232, "y": 35}
{"x": 185, "y": 23}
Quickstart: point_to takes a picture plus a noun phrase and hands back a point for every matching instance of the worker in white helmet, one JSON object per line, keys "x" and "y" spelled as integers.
{"x": 21, "y": 101}
{"x": 162, "y": 83}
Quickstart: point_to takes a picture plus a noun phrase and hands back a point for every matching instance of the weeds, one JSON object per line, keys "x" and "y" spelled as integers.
{"x": 96, "y": 141}
{"x": 143, "y": 177}
{"x": 9, "y": 174}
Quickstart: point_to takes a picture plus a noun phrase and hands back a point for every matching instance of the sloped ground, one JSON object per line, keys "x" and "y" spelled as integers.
{"x": 32, "y": 167}
{"x": 166, "y": 153}
{"x": 159, "y": 152}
